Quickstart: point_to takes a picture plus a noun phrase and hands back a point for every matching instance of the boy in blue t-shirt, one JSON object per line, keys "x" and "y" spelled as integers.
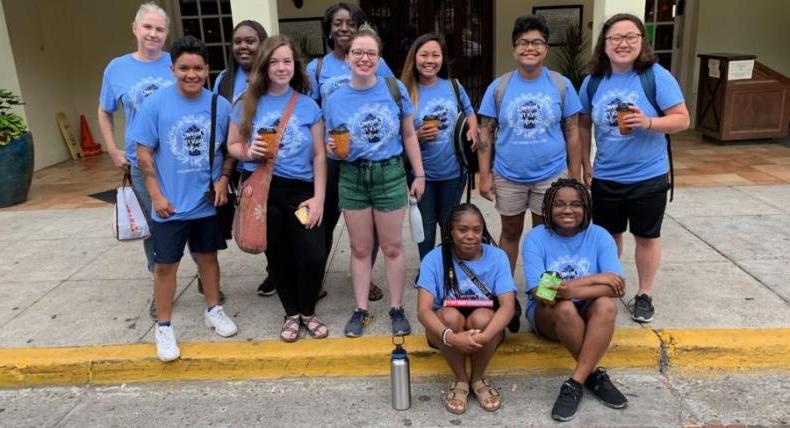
{"x": 172, "y": 132}
{"x": 537, "y": 139}
{"x": 582, "y": 315}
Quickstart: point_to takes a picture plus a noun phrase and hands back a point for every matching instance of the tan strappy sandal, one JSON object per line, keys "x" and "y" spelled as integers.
{"x": 315, "y": 327}
{"x": 290, "y": 330}
{"x": 487, "y": 395}
{"x": 455, "y": 397}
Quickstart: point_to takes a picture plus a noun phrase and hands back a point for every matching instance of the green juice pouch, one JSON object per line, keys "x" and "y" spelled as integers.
{"x": 548, "y": 278}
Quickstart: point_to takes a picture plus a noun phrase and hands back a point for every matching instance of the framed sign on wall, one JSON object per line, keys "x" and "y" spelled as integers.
{"x": 559, "y": 18}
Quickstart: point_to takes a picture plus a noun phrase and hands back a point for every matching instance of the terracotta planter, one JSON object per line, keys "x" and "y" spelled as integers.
{"x": 16, "y": 170}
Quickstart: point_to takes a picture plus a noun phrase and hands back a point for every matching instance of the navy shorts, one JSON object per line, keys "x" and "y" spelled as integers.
{"x": 639, "y": 206}
{"x": 204, "y": 235}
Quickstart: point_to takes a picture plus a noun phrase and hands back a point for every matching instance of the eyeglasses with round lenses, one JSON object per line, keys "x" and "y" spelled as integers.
{"x": 575, "y": 205}
{"x": 359, "y": 53}
{"x": 523, "y": 43}
{"x": 630, "y": 38}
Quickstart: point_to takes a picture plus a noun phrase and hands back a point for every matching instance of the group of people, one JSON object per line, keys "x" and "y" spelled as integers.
{"x": 355, "y": 140}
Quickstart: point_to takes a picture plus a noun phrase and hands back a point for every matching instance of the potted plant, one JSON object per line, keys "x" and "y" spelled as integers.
{"x": 573, "y": 55}
{"x": 16, "y": 152}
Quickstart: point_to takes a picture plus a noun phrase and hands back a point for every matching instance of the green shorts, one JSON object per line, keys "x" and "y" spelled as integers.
{"x": 380, "y": 185}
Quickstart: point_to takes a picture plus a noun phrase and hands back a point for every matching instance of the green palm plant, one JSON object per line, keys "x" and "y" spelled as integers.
{"x": 12, "y": 126}
{"x": 574, "y": 54}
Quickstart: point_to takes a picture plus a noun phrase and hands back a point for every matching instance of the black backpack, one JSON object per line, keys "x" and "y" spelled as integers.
{"x": 462, "y": 145}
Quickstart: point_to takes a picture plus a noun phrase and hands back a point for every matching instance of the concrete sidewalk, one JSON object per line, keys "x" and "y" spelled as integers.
{"x": 68, "y": 283}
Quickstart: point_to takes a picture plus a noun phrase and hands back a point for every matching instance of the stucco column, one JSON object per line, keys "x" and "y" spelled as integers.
{"x": 603, "y": 9}
{"x": 8, "y": 76}
{"x": 263, "y": 11}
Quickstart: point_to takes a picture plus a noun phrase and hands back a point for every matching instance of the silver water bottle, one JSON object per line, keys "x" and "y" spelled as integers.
{"x": 400, "y": 378}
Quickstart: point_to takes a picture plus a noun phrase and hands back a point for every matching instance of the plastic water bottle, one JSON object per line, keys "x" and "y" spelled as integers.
{"x": 400, "y": 378}
{"x": 415, "y": 221}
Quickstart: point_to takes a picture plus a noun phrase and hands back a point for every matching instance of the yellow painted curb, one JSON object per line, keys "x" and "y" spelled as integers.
{"x": 367, "y": 356}
{"x": 728, "y": 349}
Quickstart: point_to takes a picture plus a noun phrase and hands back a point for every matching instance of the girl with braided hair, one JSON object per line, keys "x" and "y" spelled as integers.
{"x": 583, "y": 314}
{"x": 458, "y": 283}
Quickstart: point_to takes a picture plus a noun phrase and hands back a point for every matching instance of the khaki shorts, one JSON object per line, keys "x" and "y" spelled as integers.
{"x": 514, "y": 198}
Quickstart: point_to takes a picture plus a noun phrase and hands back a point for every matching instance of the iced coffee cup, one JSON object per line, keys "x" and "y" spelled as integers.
{"x": 431, "y": 121}
{"x": 269, "y": 136}
{"x": 623, "y": 110}
{"x": 340, "y": 136}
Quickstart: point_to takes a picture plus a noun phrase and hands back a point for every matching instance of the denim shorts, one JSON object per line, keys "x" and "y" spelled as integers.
{"x": 380, "y": 185}
{"x": 204, "y": 235}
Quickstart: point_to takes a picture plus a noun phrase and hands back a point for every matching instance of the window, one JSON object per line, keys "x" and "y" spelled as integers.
{"x": 211, "y": 22}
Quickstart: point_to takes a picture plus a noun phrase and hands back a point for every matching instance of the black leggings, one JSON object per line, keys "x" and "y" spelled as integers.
{"x": 296, "y": 255}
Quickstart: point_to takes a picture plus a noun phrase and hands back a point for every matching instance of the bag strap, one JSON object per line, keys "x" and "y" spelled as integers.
{"x": 211, "y": 147}
{"x": 286, "y": 117}
{"x": 470, "y": 180}
{"x": 475, "y": 280}
{"x": 499, "y": 91}
{"x": 392, "y": 85}
{"x": 319, "y": 64}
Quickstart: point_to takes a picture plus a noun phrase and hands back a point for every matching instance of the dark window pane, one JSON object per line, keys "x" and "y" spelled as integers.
{"x": 665, "y": 59}
{"x": 211, "y": 30}
{"x": 663, "y": 37}
{"x": 227, "y": 29}
{"x": 212, "y": 77}
{"x": 192, "y": 28}
{"x": 224, "y": 6}
{"x": 649, "y": 10}
{"x": 665, "y": 10}
{"x": 216, "y": 58}
{"x": 209, "y": 7}
{"x": 188, "y": 7}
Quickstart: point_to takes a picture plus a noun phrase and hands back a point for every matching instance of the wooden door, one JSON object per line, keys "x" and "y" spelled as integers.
{"x": 465, "y": 24}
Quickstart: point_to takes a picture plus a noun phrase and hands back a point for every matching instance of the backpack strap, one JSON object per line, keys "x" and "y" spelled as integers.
{"x": 392, "y": 85}
{"x": 470, "y": 177}
{"x": 319, "y": 63}
{"x": 211, "y": 143}
{"x": 592, "y": 87}
{"x": 559, "y": 82}
{"x": 499, "y": 91}
{"x": 648, "y": 80}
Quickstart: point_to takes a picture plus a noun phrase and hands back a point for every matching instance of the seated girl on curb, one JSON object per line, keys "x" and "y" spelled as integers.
{"x": 582, "y": 315}
{"x": 460, "y": 317}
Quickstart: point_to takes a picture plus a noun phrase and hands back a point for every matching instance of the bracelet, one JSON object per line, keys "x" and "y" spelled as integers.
{"x": 419, "y": 176}
{"x": 444, "y": 337}
{"x": 650, "y": 125}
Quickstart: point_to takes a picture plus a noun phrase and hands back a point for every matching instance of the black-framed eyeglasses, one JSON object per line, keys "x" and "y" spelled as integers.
{"x": 536, "y": 43}
{"x": 630, "y": 38}
{"x": 575, "y": 205}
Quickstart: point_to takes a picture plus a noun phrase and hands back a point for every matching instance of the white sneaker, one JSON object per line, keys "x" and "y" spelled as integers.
{"x": 166, "y": 346}
{"x": 221, "y": 323}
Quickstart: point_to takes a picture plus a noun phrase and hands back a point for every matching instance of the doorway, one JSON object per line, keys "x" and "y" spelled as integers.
{"x": 466, "y": 25}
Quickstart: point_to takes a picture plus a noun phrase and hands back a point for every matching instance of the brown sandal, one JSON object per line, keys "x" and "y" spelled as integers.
{"x": 487, "y": 395}
{"x": 314, "y": 326}
{"x": 456, "y": 394}
{"x": 290, "y": 330}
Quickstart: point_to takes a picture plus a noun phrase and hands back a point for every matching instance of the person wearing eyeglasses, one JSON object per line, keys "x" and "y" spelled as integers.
{"x": 629, "y": 180}
{"x": 582, "y": 315}
{"x": 534, "y": 111}
{"x": 376, "y": 124}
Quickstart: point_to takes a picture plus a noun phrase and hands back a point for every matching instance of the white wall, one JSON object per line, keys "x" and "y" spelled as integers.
{"x": 61, "y": 48}
{"x": 8, "y": 74}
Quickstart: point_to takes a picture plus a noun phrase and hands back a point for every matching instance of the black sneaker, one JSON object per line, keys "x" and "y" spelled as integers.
{"x": 152, "y": 309}
{"x": 356, "y": 325}
{"x": 266, "y": 288}
{"x": 601, "y": 386}
{"x": 643, "y": 310}
{"x": 400, "y": 325}
{"x": 568, "y": 401}
{"x": 221, "y": 294}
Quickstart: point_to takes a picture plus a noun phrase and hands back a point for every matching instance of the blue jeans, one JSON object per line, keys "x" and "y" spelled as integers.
{"x": 437, "y": 200}
{"x": 138, "y": 185}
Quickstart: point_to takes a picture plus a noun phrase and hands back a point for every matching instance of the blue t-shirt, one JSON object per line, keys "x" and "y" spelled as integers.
{"x": 295, "y": 156}
{"x": 335, "y": 74}
{"x": 239, "y": 82}
{"x": 530, "y": 144}
{"x": 128, "y": 81}
{"x": 372, "y": 118}
{"x": 178, "y": 130}
{"x": 642, "y": 154}
{"x": 493, "y": 269}
{"x": 589, "y": 252}
{"x": 438, "y": 156}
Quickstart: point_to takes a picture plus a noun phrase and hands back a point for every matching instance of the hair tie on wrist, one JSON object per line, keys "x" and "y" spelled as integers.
{"x": 650, "y": 124}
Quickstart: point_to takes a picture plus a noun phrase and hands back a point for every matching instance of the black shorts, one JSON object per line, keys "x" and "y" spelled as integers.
{"x": 639, "y": 206}
{"x": 204, "y": 235}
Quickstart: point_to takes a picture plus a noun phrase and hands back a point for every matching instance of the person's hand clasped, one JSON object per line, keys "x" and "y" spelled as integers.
{"x": 465, "y": 341}
{"x": 163, "y": 207}
{"x": 563, "y": 290}
{"x": 615, "y": 282}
